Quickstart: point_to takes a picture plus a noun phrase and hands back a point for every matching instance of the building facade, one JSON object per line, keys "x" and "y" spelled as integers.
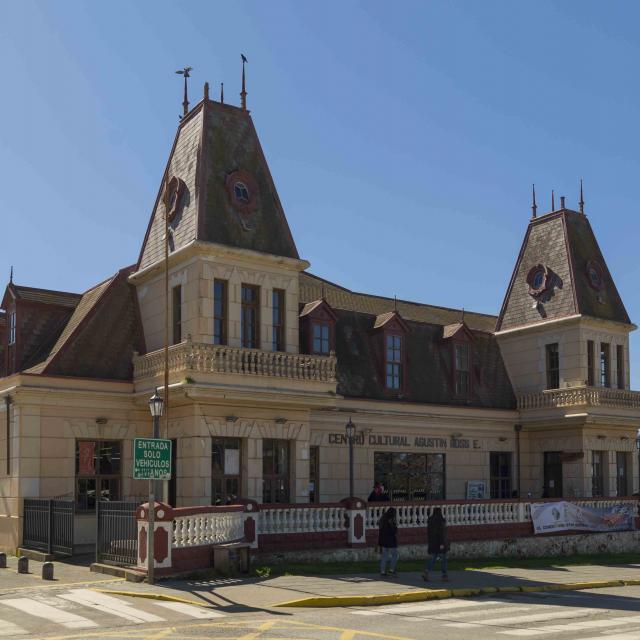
{"x": 267, "y": 363}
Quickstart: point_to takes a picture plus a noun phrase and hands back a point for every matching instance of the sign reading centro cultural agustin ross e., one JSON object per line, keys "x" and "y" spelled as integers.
{"x": 151, "y": 459}
{"x": 420, "y": 442}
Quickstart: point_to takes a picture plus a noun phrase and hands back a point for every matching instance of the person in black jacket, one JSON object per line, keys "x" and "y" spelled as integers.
{"x": 388, "y": 542}
{"x": 437, "y": 544}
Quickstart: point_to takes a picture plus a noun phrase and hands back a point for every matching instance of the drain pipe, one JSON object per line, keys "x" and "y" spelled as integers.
{"x": 518, "y": 429}
{"x": 7, "y": 404}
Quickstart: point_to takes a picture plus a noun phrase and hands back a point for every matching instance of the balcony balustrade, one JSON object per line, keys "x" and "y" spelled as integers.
{"x": 207, "y": 358}
{"x": 581, "y": 396}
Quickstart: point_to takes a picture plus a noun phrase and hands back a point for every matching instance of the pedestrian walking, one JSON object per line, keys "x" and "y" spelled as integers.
{"x": 437, "y": 544}
{"x": 388, "y": 542}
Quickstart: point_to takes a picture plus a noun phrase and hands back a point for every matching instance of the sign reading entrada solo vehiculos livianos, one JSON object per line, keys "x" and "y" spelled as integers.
{"x": 151, "y": 459}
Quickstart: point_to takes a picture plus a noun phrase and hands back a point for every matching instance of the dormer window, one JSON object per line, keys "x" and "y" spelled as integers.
{"x": 317, "y": 328}
{"x": 321, "y": 338}
{"x": 393, "y": 362}
{"x": 241, "y": 192}
{"x": 462, "y": 368}
{"x": 12, "y": 328}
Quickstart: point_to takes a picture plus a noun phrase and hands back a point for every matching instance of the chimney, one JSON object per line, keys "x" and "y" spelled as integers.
{"x": 562, "y": 202}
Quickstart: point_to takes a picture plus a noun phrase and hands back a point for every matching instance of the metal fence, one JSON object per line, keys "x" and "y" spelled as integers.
{"x": 116, "y": 532}
{"x": 48, "y": 525}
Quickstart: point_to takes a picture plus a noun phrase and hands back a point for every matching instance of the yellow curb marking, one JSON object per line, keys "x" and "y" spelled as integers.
{"x": 418, "y": 596}
{"x": 256, "y": 634}
{"x": 155, "y": 596}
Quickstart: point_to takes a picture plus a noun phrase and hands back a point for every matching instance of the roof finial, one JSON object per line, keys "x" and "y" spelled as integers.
{"x": 395, "y": 303}
{"x": 462, "y": 314}
{"x": 553, "y": 200}
{"x": 222, "y": 92}
{"x": 534, "y": 206}
{"x": 243, "y": 93}
{"x": 185, "y": 103}
{"x": 11, "y": 275}
{"x": 581, "y": 198}
{"x": 206, "y": 90}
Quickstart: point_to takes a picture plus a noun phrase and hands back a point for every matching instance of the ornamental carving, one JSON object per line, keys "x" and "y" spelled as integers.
{"x": 173, "y": 197}
{"x": 595, "y": 275}
{"x": 542, "y": 282}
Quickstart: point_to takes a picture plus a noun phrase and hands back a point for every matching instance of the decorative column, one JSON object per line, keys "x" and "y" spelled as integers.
{"x": 356, "y": 513}
{"x": 162, "y": 535}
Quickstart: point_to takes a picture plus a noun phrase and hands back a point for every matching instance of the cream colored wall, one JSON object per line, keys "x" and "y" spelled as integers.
{"x": 491, "y": 432}
{"x": 196, "y": 276}
{"x": 524, "y": 353}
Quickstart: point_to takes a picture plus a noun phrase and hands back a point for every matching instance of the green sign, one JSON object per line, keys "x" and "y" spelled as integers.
{"x": 151, "y": 459}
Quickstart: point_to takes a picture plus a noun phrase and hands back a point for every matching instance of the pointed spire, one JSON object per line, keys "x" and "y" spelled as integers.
{"x": 206, "y": 90}
{"x": 534, "y": 206}
{"x": 553, "y": 200}
{"x": 243, "y": 93}
{"x": 581, "y": 198}
{"x": 185, "y": 103}
{"x": 222, "y": 92}
{"x": 11, "y": 275}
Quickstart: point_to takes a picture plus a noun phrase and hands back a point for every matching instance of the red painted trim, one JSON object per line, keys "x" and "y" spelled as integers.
{"x": 191, "y": 511}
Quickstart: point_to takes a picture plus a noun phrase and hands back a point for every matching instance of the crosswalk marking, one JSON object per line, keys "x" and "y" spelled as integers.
{"x": 9, "y": 629}
{"x": 574, "y": 626}
{"x": 53, "y": 614}
{"x": 191, "y": 610}
{"x": 535, "y": 617}
{"x": 423, "y": 607}
{"x": 109, "y": 604}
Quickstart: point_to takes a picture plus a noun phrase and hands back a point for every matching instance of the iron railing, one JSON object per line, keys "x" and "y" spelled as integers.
{"x": 116, "y": 532}
{"x": 48, "y": 525}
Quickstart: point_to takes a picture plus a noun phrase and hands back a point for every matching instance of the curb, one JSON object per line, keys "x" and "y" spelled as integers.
{"x": 439, "y": 594}
{"x": 154, "y": 596}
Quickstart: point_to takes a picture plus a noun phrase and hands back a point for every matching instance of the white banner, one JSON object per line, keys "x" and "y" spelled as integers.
{"x": 563, "y": 516}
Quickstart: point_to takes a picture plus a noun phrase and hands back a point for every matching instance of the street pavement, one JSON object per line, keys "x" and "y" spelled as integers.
{"x": 80, "y": 604}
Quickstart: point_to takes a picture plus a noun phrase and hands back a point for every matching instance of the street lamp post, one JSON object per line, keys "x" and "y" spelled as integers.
{"x": 350, "y": 428}
{"x": 156, "y": 406}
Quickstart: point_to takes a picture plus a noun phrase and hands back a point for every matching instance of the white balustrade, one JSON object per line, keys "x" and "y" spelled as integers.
{"x": 209, "y": 358}
{"x": 207, "y": 528}
{"x": 302, "y": 519}
{"x": 580, "y": 396}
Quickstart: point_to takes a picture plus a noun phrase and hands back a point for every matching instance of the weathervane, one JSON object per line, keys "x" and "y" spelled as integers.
{"x": 186, "y": 72}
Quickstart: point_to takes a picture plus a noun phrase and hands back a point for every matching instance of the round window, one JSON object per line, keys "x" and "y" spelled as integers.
{"x": 594, "y": 273}
{"x": 538, "y": 279}
{"x": 241, "y": 192}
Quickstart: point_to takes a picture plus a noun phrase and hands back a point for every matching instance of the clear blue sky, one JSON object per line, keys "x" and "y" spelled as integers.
{"x": 403, "y": 137}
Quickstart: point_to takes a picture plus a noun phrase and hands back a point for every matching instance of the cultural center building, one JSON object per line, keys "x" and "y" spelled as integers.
{"x": 268, "y": 362}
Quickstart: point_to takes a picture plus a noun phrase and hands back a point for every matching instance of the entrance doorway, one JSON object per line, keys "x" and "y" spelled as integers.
{"x": 552, "y": 475}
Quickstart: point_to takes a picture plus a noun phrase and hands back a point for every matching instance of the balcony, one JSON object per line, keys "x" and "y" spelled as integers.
{"x": 189, "y": 358}
{"x": 581, "y": 396}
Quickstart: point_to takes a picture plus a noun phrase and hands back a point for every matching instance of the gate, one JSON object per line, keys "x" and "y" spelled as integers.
{"x": 48, "y": 525}
{"x": 116, "y": 532}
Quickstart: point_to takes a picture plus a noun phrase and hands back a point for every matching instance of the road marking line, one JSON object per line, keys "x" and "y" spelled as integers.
{"x": 437, "y": 605}
{"x": 111, "y": 605}
{"x": 535, "y": 617}
{"x": 189, "y": 610}
{"x": 10, "y": 629}
{"x": 575, "y": 626}
{"x": 41, "y": 610}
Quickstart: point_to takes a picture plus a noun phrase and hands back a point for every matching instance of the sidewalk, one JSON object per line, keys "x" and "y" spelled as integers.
{"x": 358, "y": 590}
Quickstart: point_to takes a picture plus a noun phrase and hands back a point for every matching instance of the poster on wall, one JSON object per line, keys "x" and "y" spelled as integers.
{"x": 476, "y": 490}
{"x": 564, "y": 516}
{"x": 86, "y": 455}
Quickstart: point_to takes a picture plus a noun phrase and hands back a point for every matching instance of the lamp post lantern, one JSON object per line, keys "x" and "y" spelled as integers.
{"x": 156, "y": 406}
{"x": 350, "y": 428}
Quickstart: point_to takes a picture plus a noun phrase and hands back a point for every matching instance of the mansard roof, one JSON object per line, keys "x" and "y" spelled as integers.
{"x": 562, "y": 244}
{"x": 312, "y": 288}
{"x": 99, "y": 338}
{"x": 41, "y": 296}
{"x": 429, "y": 359}
{"x": 217, "y": 145}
